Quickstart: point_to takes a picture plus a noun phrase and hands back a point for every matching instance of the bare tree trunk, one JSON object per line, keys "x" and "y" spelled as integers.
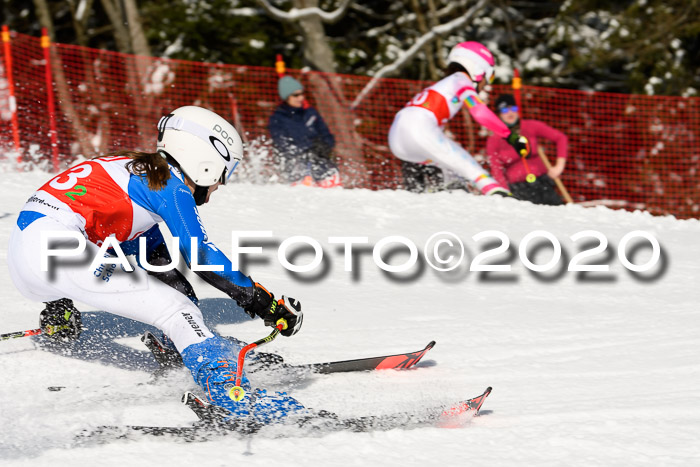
{"x": 81, "y": 15}
{"x": 317, "y": 50}
{"x": 438, "y": 40}
{"x": 139, "y": 72}
{"x": 428, "y": 49}
{"x": 121, "y": 33}
{"x": 139, "y": 44}
{"x": 130, "y": 38}
{"x": 64, "y": 101}
{"x": 332, "y": 105}
{"x": 44, "y": 14}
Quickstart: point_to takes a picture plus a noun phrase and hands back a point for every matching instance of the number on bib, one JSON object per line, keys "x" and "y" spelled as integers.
{"x": 77, "y": 172}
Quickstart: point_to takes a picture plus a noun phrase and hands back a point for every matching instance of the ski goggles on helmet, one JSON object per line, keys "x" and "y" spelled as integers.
{"x": 508, "y": 108}
{"x": 226, "y": 174}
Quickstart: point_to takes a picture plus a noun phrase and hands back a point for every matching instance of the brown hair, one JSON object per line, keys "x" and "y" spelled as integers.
{"x": 454, "y": 67}
{"x": 151, "y": 164}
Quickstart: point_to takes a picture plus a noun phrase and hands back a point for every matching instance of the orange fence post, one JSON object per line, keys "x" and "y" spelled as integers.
{"x": 46, "y": 45}
{"x": 11, "y": 89}
{"x": 517, "y": 84}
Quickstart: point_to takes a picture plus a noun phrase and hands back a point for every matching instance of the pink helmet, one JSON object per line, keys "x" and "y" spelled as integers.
{"x": 475, "y": 58}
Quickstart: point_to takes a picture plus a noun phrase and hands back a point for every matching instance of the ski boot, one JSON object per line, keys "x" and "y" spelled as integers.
{"x": 60, "y": 320}
{"x": 213, "y": 366}
{"x": 169, "y": 358}
{"x": 498, "y": 191}
{"x": 163, "y": 351}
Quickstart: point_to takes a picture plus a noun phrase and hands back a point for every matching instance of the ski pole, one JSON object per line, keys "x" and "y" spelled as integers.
{"x": 236, "y": 393}
{"x": 13, "y": 335}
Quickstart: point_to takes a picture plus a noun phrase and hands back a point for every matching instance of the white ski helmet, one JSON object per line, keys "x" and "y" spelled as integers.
{"x": 475, "y": 58}
{"x": 206, "y": 146}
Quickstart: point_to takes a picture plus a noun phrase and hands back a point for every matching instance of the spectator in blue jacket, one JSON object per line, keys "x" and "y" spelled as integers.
{"x": 302, "y": 141}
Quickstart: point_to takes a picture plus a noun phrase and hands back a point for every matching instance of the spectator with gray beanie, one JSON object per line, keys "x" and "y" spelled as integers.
{"x": 302, "y": 142}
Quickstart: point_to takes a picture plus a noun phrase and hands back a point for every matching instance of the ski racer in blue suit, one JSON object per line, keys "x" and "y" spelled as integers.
{"x": 125, "y": 196}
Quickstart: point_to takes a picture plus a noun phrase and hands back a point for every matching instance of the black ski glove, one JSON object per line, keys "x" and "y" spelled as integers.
{"x": 61, "y": 320}
{"x": 286, "y": 310}
{"x": 520, "y": 143}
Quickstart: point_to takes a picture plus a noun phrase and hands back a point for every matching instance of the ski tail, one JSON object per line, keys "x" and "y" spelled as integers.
{"x": 204, "y": 411}
{"x": 218, "y": 418}
{"x": 167, "y": 357}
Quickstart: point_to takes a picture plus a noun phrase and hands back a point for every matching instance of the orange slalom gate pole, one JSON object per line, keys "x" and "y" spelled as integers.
{"x": 46, "y": 45}
{"x": 11, "y": 89}
{"x": 280, "y": 66}
{"x": 517, "y": 84}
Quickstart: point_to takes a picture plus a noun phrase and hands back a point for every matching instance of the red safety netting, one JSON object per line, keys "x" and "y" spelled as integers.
{"x": 629, "y": 151}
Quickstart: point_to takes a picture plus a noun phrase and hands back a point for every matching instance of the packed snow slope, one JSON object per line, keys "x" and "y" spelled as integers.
{"x": 588, "y": 368}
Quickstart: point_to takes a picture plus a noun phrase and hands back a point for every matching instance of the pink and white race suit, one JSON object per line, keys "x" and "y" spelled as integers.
{"x": 417, "y": 135}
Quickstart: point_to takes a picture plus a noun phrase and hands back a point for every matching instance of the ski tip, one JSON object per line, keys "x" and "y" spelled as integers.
{"x": 430, "y": 345}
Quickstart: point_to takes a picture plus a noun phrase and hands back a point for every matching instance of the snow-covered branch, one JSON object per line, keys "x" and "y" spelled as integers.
{"x": 378, "y": 31}
{"x": 410, "y": 16}
{"x": 296, "y": 14}
{"x": 406, "y": 56}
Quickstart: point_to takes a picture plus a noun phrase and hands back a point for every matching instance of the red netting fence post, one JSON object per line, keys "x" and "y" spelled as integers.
{"x": 280, "y": 66}
{"x": 517, "y": 84}
{"x": 46, "y": 46}
{"x": 11, "y": 89}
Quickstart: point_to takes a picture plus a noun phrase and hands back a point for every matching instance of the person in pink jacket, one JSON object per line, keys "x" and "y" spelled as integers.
{"x": 416, "y": 135}
{"x": 525, "y": 174}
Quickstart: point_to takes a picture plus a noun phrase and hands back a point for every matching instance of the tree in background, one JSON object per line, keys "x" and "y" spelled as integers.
{"x": 631, "y": 46}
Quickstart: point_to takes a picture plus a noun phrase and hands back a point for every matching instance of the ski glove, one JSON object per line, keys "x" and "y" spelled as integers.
{"x": 61, "y": 320}
{"x": 285, "y": 310}
{"x": 520, "y": 143}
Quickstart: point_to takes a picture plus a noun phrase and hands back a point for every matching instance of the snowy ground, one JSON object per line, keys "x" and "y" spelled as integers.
{"x": 587, "y": 368}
